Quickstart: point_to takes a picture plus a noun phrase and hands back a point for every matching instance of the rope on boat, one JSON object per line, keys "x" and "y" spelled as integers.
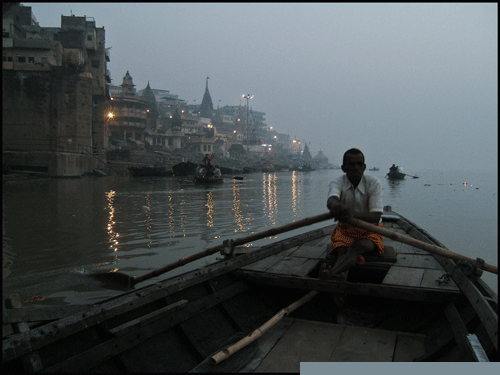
{"x": 469, "y": 270}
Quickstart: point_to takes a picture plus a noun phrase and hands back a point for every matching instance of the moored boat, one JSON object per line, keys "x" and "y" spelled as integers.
{"x": 394, "y": 310}
{"x": 184, "y": 169}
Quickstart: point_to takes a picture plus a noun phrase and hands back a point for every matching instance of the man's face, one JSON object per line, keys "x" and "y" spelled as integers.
{"x": 354, "y": 168}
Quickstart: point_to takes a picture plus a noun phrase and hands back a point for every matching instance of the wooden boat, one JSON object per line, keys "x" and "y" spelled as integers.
{"x": 305, "y": 168}
{"x": 209, "y": 180}
{"x": 150, "y": 171}
{"x": 394, "y": 310}
{"x": 184, "y": 169}
{"x": 394, "y": 175}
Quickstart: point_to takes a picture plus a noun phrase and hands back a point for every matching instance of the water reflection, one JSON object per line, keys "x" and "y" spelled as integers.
{"x": 183, "y": 217}
{"x": 170, "y": 213}
{"x": 270, "y": 196}
{"x": 395, "y": 188}
{"x": 296, "y": 191}
{"x": 148, "y": 220}
{"x": 210, "y": 211}
{"x": 113, "y": 235}
{"x": 239, "y": 219}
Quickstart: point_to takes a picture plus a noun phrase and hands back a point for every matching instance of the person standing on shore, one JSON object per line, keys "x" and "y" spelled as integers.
{"x": 353, "y": 195}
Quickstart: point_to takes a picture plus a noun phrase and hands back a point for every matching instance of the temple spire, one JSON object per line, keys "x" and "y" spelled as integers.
{"x": 206, "y": 107}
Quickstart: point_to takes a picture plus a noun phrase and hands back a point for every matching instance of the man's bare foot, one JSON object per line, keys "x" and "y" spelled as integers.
{"x": 325, "y": 273}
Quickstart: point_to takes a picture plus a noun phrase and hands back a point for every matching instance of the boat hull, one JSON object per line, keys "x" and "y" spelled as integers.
{"x": 184, "y": 169}
{"x": 394, "y": 310}
{"x": 396, "y": 176}
{"x": 209, "y": 180}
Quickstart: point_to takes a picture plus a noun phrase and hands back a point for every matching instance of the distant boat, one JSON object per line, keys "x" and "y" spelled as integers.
{"x": 184, "y": 169}
{"x": 305, "y": 168}
{"x": 374, "y": 169}
{"x": 395, "y": 175}
{"x": 268, "y": 166}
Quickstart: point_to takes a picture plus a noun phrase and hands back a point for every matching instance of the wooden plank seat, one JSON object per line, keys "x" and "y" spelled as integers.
{"x": 372, "y": 261}
{"x": 297, "y": 261}
{"x": 389, "y": 256}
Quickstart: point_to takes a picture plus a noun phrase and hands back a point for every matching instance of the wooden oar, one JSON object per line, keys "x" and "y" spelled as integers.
{"x": 126, "y": 280}
{"x": 419, "y": 244}
{"x": 411, "y": 175}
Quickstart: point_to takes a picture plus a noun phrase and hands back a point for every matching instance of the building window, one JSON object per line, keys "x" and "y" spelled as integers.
{"x": 31, "y": 59}
{"x": 95, "y": 63}
{"x": 21, "y": 59}
{"x": 89, "y": 38}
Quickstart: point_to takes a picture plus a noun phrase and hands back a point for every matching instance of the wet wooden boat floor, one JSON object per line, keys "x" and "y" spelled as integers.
{"x": 310, "y": 341}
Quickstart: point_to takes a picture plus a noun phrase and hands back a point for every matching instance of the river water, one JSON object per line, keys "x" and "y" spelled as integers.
{"x": 56, "y": 231}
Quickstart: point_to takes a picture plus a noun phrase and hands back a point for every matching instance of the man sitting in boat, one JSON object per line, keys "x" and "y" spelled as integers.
{"x": 201, "y": 171}
{"x": 359, "y": 196}
{"x": 217, "y": 172}
{"x": 206, "y": 161}
{"x": 394, "y": 168}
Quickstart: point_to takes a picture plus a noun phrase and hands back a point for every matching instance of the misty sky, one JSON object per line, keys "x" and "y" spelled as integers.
{"x": 411, "y": 84}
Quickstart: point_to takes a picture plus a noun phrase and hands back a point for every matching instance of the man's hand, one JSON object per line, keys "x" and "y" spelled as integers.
{"x": 338, "y": 210}
{"x": 341, "y": 213}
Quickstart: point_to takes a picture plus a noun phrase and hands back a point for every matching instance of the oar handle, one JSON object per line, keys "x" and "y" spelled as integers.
{"x": 239, "y": 241}
{"x": 419, "y": 244}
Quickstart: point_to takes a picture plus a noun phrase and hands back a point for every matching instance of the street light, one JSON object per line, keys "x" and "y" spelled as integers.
{"x": 248, "y": 97}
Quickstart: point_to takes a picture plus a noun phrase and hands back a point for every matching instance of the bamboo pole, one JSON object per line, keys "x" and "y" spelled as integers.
{"x": 226, "y": 353}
